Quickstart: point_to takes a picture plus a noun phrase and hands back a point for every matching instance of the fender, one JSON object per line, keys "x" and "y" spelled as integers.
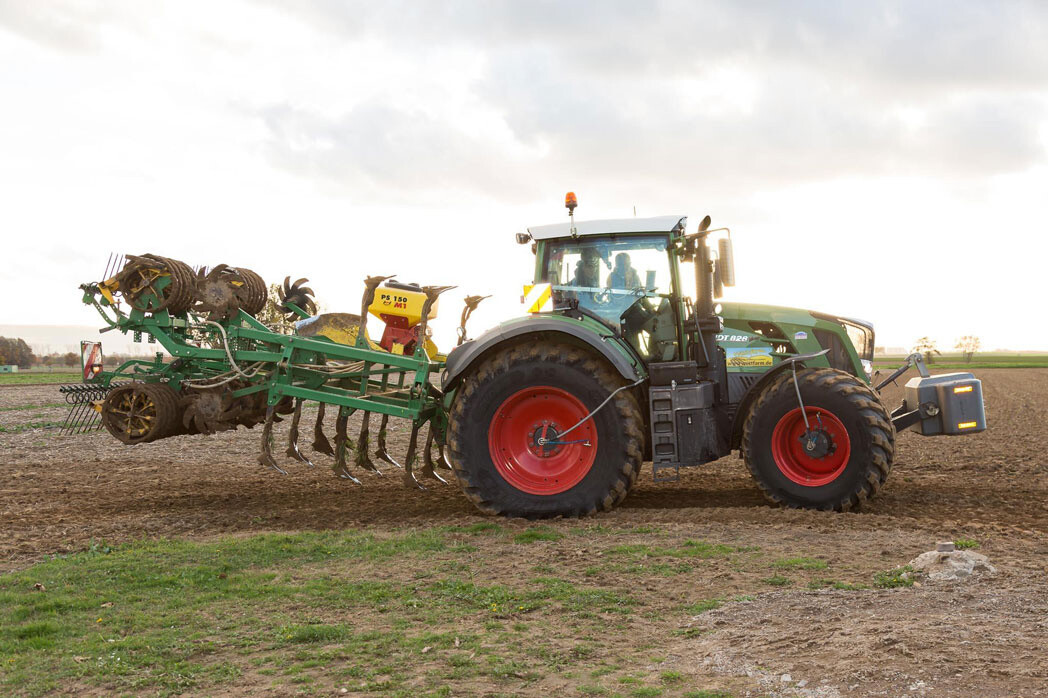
{"x": 744, "y": 405}
{"x": 605, "y": 344}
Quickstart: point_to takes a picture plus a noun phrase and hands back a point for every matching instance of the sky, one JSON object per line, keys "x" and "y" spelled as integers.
{"x": 880, "y": 160}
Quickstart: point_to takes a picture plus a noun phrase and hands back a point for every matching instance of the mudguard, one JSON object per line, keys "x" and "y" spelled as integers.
{"x": 604, "y": 343}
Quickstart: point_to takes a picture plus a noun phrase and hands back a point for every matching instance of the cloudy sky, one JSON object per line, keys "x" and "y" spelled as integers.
{"x": 884, "y": 160}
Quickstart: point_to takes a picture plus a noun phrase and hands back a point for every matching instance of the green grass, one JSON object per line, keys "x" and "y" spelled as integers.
{"x": 966, "y": 544}
{"x": 30, "y": 378}
{"x": 21, "y": 408}
{"x": 800, "y": 563}
{"x": 537, "y": 533}
{"x": 171, "y": 617}
{"x": 30, "y": 426}
{"x": 892, "y": 579}
{"x": 703, "y": 606}
{"x": 777, "y": 581}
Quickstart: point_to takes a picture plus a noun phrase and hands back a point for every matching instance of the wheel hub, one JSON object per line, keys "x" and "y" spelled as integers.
{"x": 541, "y": 437}
{"x": 817, "y": 443}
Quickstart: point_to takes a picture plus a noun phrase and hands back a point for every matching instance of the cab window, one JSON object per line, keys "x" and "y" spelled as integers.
{"x": 625, "y": 280}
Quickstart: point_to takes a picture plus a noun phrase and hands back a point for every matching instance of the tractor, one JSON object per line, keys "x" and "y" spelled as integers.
{"x": 554, "y": 413}
{"x": 549, "y": 414}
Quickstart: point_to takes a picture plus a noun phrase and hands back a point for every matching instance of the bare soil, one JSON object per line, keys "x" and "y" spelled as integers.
{"x": 986, "y": 636}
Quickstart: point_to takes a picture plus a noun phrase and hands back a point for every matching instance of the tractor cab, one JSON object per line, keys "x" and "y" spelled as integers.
{"x": 622, "y": 273}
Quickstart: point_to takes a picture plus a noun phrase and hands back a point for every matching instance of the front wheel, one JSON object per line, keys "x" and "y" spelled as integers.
{"x": 511, "y": 439}
{"x": 835, "y": 455}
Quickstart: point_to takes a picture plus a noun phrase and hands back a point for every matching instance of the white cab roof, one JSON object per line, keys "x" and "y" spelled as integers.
{"x": 656, "y": 224}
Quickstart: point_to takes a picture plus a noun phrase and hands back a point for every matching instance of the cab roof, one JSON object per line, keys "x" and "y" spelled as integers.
{"x": 655, "y": 224}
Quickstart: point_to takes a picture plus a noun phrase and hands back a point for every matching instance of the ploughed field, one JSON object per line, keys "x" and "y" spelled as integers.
{"x": 687, "y": 587}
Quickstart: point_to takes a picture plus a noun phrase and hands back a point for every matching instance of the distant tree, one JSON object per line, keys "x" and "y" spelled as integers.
{"x": 928, "y": 347}
{"x": 70, "y": 358}
{"x": 16, "y": 351}
{"x": 968, "y": 344}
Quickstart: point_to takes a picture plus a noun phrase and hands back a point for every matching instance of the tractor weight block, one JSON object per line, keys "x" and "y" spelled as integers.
{"x": 950, "y": 404}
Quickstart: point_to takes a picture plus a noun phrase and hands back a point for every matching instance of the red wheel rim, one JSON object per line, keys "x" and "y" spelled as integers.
{"x": 794, "y": 460}
{"x": 537, "y": 412}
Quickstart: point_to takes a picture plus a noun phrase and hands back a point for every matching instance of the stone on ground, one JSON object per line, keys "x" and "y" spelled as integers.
{"x": 952, "y": 565}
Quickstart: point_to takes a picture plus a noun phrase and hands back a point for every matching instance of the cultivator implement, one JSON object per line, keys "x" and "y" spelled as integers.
{"x": 228, "y": 369}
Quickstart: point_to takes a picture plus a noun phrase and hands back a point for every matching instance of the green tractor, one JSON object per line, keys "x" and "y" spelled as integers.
{"x": 555, "y": 412}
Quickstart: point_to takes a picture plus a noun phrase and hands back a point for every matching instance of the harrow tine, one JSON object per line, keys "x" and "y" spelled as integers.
{"x": 292, "y": 437}
{"x": 427, "y": 460}
{"x": 409, "y": 462}
{"x": 341, "y": 443}
{"x": 320, "y": 442}
{"x": 363, "y": 460}
{"x": 381, "y": 452}
{"x": 105, "y": 274}
{"x": 266, "y": 457}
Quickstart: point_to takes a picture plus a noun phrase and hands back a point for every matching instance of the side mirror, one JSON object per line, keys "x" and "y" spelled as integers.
{"x": 725, "y": 261}
{"x": 718, "y": 281}
{"x": 90, "y": 360}
{"x": 704, "y": 224}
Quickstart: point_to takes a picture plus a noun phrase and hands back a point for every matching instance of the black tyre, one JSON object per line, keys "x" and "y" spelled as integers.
{"x": 138, "y": 413}
{"x": 836, "y": 462}
{"x": 526, "y": 393}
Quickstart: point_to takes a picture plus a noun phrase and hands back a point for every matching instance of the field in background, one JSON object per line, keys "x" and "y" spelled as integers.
{"x": 39, "y": 378}
{"x": 980, "y": 360}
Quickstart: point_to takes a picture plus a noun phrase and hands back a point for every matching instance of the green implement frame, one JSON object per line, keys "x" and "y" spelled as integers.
{"x": 278, "y": 372}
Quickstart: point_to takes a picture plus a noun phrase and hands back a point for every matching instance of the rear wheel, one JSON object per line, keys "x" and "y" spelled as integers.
{"x": 509, "y": 441}
{"x": 141, "y": 412}
{"x": 834, "y": 455}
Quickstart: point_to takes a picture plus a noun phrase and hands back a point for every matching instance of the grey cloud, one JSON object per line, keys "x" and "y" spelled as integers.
{"x": 377, "y": 150}
{"x": 600, "y": 90}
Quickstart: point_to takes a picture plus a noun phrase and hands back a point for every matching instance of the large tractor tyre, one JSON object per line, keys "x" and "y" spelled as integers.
{"x": 838, "y": 462}
{"x": 526, "y": 393}
{"x": 138, "y": 413}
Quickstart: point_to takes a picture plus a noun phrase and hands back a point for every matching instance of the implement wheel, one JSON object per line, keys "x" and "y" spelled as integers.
{"x": 504, "y": 434}
{"x": 838, "y": 460}
{"x": 138, "y": 413}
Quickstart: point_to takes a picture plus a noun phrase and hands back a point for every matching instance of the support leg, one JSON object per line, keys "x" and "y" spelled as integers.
{"x": 320, "y": 442}
{"x": 292, "y": 437}
{"x": 266, "y": 456}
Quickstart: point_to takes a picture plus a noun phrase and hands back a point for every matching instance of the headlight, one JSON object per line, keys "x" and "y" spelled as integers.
{"x": 867, "y": 368}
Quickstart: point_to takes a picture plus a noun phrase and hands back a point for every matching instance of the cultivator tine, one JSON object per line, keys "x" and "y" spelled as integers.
{"x": 409, "y": 462}
{"x": 266, "y": 457}
{"x": 292, "y": 437}
{"x": 370, "y": 284}
{"x": 380, "y": 452}
{"x": 428, "y": 466}
{"x": 432, "y": 293}
{"x": 363, "y": 460}
{"x": 471, "y": 304}
{"x": 342, "y": 442}
{"x": 320, "y": 442}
